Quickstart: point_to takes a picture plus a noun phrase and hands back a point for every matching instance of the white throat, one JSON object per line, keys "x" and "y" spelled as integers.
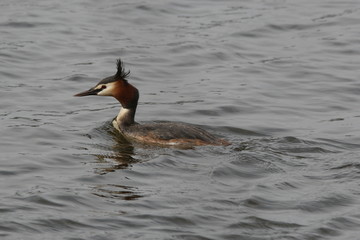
{"x": 124, "y": 112}
{"x": 125, "y": 118}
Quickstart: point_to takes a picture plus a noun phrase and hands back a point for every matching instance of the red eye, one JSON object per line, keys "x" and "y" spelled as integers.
{"x": 103, "y": 87}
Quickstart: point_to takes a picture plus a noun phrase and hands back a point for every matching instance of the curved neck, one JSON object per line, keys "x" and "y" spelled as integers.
{"x": 126, "y": 117}
{"x": 126, "y": 94}
{"x": 128, "y": 97}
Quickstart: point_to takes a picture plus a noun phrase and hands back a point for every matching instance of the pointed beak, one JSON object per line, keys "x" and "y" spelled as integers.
{"x": 91, "y": 91}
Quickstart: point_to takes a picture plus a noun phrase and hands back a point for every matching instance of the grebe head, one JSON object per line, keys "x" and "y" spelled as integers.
{"x": 116, "y": 86}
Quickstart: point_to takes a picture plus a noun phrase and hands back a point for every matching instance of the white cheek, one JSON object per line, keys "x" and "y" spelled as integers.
{"x": 104, "y": 92}
{"x": 107, "y": 91}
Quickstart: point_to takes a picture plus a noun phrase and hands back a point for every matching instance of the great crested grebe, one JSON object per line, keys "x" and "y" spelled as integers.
{"x": 164, "y": 133}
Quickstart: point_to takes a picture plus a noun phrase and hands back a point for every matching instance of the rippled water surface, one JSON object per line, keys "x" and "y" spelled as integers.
{"x": 279, "y": 79}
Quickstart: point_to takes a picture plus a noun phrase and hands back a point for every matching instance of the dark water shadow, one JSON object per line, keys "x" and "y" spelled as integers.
{"x": 113, "y": 151}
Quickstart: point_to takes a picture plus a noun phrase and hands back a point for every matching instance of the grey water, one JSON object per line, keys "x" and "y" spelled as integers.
{"x": 278, "y": 79}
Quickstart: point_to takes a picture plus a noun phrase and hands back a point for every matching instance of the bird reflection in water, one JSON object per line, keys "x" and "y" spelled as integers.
{"x": 118, "y": 156}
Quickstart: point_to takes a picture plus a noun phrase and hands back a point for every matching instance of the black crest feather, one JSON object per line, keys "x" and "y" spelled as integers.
{"x": 121, "y": 73}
